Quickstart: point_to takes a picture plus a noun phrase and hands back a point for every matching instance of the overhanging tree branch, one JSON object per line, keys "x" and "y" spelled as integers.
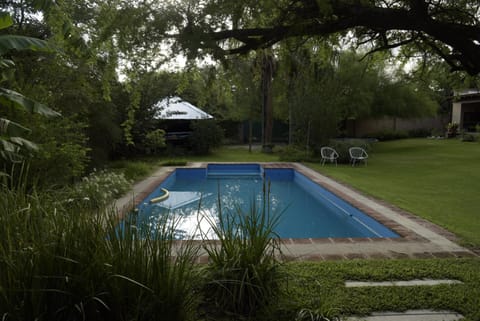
{"x": 416, "y": 16}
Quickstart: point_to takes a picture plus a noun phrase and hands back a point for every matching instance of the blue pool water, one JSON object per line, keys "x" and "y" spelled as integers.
{"x": 306, "y": 210}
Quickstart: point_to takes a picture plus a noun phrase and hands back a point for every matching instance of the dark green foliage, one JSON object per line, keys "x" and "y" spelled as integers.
{"x": 63, "y": 155}
{"x": 67, "y": 261}
{"x": 386, "y": 135}
{"x": 468, "y": 138}
{"x": 174, "y": 162}
{"x": 292, "y": 153}
{"x": 206, "y": 135}
{"x": 419, "y": 133}
{"x": 243, "y": 271}
{"x": 155, "y": 141}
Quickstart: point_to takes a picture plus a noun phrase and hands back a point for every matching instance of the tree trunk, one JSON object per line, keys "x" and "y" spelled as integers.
{"x": 250, "y": 134}
{"x": 267, "y": 106}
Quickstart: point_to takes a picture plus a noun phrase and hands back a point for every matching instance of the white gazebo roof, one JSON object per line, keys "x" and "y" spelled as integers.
{"x": 177, "y": 108}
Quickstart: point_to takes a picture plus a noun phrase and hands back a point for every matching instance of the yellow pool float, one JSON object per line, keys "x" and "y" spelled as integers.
{"x": 165, "y": 195}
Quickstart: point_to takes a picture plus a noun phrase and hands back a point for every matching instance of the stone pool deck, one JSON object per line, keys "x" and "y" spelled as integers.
{"x": 419, "y": 238}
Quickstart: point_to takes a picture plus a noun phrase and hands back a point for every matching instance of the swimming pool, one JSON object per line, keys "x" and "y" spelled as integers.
{"x": 306, "y": 209}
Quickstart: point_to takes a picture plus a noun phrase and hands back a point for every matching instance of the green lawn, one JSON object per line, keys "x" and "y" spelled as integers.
{"x": 435, "y": 179}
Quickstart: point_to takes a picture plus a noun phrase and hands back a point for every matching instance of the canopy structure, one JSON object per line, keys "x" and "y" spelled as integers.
{"x": 176, "y": 108}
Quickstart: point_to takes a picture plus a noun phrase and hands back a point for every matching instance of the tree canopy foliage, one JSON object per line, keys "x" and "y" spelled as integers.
{"x": 448, "y": 29}
{"x": 106, "y": 70}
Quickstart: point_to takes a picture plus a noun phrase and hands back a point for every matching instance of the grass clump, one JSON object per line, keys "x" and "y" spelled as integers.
{"x": 59, "y": 262}
{"x": 243, "y": 270}
{"x": 174, "y": 162}
{"x": 133, "y": 170}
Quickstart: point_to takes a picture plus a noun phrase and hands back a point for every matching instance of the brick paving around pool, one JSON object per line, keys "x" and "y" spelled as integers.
{"x": 419, "y": 238}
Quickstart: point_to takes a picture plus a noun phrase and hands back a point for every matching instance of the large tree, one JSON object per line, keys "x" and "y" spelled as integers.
{"x": 449, "y": 29}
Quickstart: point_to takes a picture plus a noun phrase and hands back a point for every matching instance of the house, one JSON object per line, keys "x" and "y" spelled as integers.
{"x": 466, "y": 109}
{"x": 175, "y": 116}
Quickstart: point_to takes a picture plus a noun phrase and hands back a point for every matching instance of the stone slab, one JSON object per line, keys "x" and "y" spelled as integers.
{"x": 425, "y": 282}
{"x": 410, "y": 315}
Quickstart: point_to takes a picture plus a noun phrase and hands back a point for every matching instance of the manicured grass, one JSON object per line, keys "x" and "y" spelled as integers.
{"x": 435, "y": 179}
{"x": 320, "y": 286}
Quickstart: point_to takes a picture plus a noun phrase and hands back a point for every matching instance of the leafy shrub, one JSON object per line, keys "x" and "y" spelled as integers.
{"x": 292, "y": 153}
{"x": 100, "y": 188}
{"x": 437, "y": 132}
{"x": 468, "y": 138}
{"x": 62, "y": 156}
{"x": 386, "y": 135}
{"x": 342, "y": 146}
{"x": 243, "y": 271}
{"x": 155, "y": 140}
{"x": 206, "y": 135}
{"x": 419, "y": 132}
{"x": 477, "y": 128}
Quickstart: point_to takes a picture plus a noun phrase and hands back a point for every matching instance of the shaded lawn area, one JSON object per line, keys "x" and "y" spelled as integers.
{"x": 435, "y": 179}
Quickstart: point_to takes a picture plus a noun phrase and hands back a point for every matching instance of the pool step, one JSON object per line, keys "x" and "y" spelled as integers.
{"x": 229, "y": 170}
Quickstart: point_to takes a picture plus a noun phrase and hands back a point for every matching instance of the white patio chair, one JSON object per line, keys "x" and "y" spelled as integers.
{"x": 357, "y": 154}
{"x": 329, "y": 154}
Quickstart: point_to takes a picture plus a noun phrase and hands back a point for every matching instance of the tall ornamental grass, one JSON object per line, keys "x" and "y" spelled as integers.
{"x": 64, "y": 261}
{"x": 243, "y": 270}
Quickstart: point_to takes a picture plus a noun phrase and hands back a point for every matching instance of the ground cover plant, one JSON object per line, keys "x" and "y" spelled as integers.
{"x": 319, "y": 287}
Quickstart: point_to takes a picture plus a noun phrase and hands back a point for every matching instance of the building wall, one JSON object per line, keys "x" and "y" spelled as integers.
{"x": 364, "y": 127}
{"x": 457, "y": 113}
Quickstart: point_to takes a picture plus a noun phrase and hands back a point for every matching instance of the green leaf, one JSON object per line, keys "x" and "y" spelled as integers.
{"x": 9, "y": 151}
{"x": 25, "y": 143}
{"x": 11, "y": 128}
{"x": 6, "y": 63}
{"x": 13, "y": 42}
{"x": 5, "y": 20}
{"x": 13, "y": 98}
